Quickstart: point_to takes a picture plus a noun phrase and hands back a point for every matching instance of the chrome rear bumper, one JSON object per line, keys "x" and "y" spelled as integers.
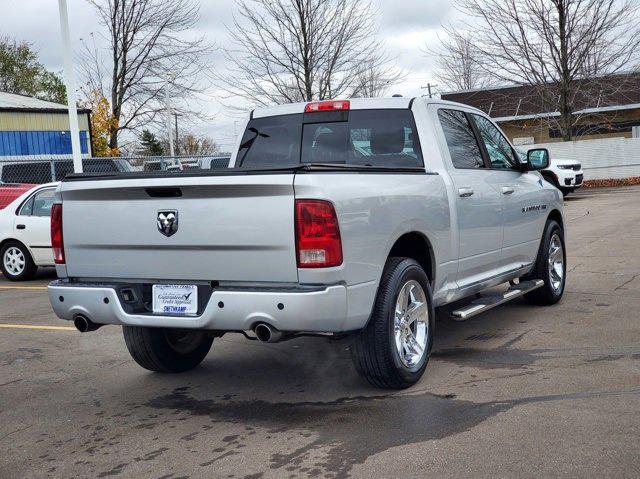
{"x": 318, "y": 310}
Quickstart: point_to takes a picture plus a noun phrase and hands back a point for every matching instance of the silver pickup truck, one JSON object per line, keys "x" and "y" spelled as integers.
{"x": 354, "y": 218}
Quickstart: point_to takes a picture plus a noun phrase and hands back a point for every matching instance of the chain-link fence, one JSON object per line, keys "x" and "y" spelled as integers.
{"x": 18, "y": 175}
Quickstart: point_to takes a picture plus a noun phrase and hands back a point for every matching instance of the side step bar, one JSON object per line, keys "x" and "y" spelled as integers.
{"x": 485, "y": 303}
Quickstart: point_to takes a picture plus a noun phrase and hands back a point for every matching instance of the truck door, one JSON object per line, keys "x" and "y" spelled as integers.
{"x": 477, "y": 204}
{"x": 522, "y": 205}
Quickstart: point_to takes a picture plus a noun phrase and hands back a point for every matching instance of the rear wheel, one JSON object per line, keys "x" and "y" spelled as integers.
{"x": 167, "y": 350}
{"x": 392, "y": 351}
{"x": 16, "y": 262}
{"x": 551, "y": 266}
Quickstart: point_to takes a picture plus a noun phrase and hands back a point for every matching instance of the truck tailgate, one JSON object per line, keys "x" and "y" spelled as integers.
{"x": 230, "y": 228}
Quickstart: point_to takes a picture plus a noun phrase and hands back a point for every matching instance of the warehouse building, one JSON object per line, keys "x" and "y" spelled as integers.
{"x": 31, "y": 128}
{"x": 605, "y": 107}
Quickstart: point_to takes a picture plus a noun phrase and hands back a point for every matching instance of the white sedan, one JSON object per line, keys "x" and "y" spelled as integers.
{"x": 25, "y": 233}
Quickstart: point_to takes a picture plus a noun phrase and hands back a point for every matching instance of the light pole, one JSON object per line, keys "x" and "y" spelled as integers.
{"x": 71, "y": 87}
{"x": 168, "y": 107}
{"x": 177, "y": 147}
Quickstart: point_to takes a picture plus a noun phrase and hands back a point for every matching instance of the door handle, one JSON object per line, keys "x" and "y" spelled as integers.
{"x": 465, "y": 192}
{"x": 507, "y": 190}
{"x": 21, "y": 227}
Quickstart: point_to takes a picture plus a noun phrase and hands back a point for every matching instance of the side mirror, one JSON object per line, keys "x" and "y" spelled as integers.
{"x": 538, "y": 159}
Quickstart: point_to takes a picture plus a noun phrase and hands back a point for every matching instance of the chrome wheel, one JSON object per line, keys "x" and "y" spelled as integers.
{"x": 14, "y": 261}
{"x": 556, "y": 262}
{"x": 411, "y": 323}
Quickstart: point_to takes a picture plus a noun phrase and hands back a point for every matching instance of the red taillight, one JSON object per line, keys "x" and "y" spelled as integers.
{"x": 318, "y": 242}
{"x": 331, "y": 105}
{"x": 57, "y": 242}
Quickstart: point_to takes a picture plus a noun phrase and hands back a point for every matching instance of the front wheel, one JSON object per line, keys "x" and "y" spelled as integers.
{"x": 167, "y": 350}
{"x": 392, "y": 351}
{"x": 551, "y": 267}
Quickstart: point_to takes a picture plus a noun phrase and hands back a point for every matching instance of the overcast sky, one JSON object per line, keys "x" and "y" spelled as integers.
{"x": 404, "y": 25}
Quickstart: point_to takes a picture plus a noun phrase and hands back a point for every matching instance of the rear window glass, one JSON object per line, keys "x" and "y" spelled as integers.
{"x": 367, "y": 138}
{"x": 271, "y": 142}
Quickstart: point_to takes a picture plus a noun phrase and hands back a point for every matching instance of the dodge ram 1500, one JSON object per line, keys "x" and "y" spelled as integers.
{"x": 347, "y": 217}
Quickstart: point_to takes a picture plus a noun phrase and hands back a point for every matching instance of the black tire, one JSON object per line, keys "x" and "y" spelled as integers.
{"x": 161, "y": 350}
{"x": 555, "y": 182}
{"x": 549, "y": 178}
{"x": 547, "y": 294}
{"x": 373, "y": 349}
{"x": 29, "y": 270}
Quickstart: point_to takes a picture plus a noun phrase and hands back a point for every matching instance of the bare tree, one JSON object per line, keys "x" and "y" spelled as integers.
{"x": 191, "y": 144}
{"x": 300, "y": 50}
{"x": 458, "y": 62}
{"x": 554, "y": 45}
{"x": 373, "y": 81}
{"x": 147, "y": 48}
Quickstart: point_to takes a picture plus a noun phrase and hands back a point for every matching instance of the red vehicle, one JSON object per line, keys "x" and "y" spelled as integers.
{"x": 9, "y": 192}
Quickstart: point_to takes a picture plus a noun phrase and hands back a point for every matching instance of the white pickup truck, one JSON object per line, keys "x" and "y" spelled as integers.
{"x": 353, "y": 218}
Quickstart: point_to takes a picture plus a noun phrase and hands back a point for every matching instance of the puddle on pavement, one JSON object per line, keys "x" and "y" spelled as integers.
{"x": 347, "y": 431}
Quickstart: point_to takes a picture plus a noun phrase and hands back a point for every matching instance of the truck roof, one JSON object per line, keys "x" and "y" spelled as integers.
{"x": 355, "y": 104}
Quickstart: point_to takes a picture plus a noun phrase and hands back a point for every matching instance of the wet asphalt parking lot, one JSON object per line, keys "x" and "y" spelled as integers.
{"x": 520, "y": 391}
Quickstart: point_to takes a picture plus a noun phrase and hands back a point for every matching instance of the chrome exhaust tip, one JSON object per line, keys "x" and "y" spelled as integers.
{"x": 267, "y": 333}
{"x": 84, "y": 324}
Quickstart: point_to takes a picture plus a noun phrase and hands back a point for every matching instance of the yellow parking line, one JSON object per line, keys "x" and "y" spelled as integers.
{"x": 33, "y": 326}
{"x": 23, "y": 287}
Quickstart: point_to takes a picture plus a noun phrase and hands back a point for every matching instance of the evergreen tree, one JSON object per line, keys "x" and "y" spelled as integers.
{"x": 150, "y": 145}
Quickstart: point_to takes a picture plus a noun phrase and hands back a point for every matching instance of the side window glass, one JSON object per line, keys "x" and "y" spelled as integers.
{"x": 500, "y": 152}
{"x": 42, "y": 202}
{"x": 26, "y": 208}
{"x": 462, "y": 142}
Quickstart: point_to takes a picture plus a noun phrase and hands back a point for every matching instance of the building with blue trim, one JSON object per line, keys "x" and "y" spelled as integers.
{"x": 33, "y": 128}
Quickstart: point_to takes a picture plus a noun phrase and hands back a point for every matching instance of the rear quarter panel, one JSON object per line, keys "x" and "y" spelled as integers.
{"x": 374, "y": 210}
